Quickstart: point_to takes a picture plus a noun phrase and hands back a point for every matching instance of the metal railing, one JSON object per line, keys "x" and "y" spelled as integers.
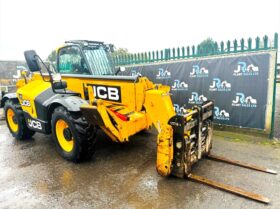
{"x": 214, "y": 48}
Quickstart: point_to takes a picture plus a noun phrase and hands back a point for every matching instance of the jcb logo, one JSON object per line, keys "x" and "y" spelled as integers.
{"x": 34, "y": 124}
{"x": 112, "y": 93}
{"x": 25, "y": 103}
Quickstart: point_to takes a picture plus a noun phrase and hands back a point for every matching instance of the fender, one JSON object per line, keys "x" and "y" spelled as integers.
{"x": 43, "y": 122}
{"x": 7, "y": 97}
{"x": 47, "y": 101}
{"x": 71, "y": 103}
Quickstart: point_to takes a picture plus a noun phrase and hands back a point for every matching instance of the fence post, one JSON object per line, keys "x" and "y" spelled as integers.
{"x": 257, "y": 42}
{"x": 125, "y": 59}
{"x": 228, "y": 46}
{"x": 157, "y": 58}
{"x": 131, "y": 59}
{"x": 173, "y": 53}
{"x": 138, "y": 57}
{"x": 222, "y": 47}
{"x": 145, "y": 57}
{"x": 183, "y": 52}
{"x": 178, "y": 53}
{"x": 235, "y": 45}
{"x": 169, "y": 54}
{"x": 276, "y": 40}
{"x": 249, "y": 44}
{"x": 242, "y": 44}
{"x": 193, "y": 51}
{"x": 134, "y": 59}
{"x": 265, "y": 42}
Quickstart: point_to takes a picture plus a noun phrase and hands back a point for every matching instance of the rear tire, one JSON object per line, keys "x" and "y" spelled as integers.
{"x": 15, "y": 121}
{"x": 74, "y": 136}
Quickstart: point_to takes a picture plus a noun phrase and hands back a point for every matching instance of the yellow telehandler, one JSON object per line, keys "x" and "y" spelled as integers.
{"x": 85, "y": 93}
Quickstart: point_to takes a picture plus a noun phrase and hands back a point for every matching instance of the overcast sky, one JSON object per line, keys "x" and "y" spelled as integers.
{"x": 138, "y": 25}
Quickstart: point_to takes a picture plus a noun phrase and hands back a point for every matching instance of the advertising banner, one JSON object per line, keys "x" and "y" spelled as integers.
{"x": 237, "y": 84}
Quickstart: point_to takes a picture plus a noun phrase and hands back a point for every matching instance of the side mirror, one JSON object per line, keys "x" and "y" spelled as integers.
{"x": 60, "y": 85}
{"x": 32, "y": 60}
{"x": 57, "y": 82}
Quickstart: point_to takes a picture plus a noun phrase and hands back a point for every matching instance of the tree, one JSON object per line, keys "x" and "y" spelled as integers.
{"x": 52, "y": 56}
{"x": 120, "y": 52}
{"x": 208, "y": 46}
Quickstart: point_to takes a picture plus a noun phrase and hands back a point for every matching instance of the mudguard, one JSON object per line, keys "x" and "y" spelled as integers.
{"x": 44, "y": 110}
{"x": 6, "y": 97}
{"x": 71, "y": 103}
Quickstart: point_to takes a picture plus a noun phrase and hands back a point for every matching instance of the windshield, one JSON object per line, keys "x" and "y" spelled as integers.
{"x": 99, "y": 61}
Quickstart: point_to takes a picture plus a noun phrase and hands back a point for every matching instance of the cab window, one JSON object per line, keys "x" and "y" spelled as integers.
{"x": 70, "y": 61}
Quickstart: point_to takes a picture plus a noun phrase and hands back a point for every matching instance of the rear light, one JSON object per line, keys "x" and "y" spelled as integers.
{"x": 120, "y": 116}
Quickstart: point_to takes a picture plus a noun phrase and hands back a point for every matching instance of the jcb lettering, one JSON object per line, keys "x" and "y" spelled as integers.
{"x": 34, "y": 124}
{"x": 111, "y": 93}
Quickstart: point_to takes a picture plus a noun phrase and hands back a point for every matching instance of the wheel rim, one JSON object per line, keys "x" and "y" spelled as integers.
{"x": 66, "y": 144}
{"x": 12, "y": 120}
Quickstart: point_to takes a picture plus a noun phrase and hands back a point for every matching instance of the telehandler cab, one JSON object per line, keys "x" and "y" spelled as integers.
{"x": 85, "y": 93}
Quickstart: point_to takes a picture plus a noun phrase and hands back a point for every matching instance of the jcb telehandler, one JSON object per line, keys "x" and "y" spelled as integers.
{"x": 86, "y": 93}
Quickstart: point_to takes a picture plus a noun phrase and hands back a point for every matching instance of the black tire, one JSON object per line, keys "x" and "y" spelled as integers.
{"x": 82, "y": 133}
{"x": 23, "y": 132}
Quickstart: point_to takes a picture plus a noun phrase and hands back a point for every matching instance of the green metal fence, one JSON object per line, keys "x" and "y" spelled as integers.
{"x": 227, "y": 47}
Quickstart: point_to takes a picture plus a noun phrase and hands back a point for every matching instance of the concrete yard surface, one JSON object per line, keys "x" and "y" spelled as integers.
{"x": 33, "y": 175}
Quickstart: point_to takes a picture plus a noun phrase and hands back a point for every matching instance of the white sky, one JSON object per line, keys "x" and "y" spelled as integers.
{"x": 139, "y": 26}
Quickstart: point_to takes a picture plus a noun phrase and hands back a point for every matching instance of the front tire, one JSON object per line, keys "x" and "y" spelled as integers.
{"x": 74, "y": 137}
{"x": 15, "y": 121}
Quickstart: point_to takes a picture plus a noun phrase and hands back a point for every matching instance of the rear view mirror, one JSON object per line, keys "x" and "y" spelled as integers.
{"x": 60, "y": 85}
{"x": 32, "y": 60}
